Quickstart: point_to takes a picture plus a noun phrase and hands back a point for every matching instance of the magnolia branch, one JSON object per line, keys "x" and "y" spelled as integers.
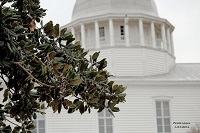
{"x": 39, "y": 82}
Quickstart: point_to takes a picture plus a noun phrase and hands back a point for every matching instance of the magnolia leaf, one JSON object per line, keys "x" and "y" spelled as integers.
{"x": 57, "y": 65}
{"x": 6, "y": 92}
{"x": 115, "y": 87}
{"x": 111, "y": 112}
{"x": 69, "y": 103}
{"x": 66, "y": 67}
{"x": 42, "y": 106}
{"x": 30, "y": 47}
{"x": 76, "y": 82}
{"x": 115, "y": 109}
{"x": 120, "y": 89}
{"x": 52, "y": 55}
{"x": 22, "y": 43}
{"x": 48, "y": 27}
{"x": 94, "y": 100}
{"x": 81, "y": 108}
{"x": 62, "y": 32}
{"x": 95, "y": 56}
{"x": 58, "y": 59}
{"x": 43, "y": 46}
{"x": 56, "y": 29}
{"x": 100, "y": 78}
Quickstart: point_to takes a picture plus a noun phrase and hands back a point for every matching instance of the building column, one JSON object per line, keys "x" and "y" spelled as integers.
{"x": 153, "y": 34}
{"x": 83, "y": 35}
{"x": 172, "y": 43}
{"x": 169, "y": 40}
{"x": 164, "y": 41}
{"x": 97, "y": 45}
{"x": 73, "y": 33}
{"x": 141, "y": 32}
{"x": 111, "y": 27}
{"x": 126, "y": 25}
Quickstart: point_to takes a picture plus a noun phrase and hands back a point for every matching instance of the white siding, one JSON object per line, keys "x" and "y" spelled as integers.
{"x": 155, "y": 62}
{"x": 71, "y": 123}
{"x": 171, "y": 62}
{"x": 137, "y": 61}
{"x": 138, "y": 113}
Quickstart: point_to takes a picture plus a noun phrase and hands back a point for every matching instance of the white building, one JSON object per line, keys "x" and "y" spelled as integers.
{"x": 162, "y": 96}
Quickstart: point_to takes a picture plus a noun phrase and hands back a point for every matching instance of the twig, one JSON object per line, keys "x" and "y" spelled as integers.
{"x": 39, "y": 82}
{"x": 12, "y": 123}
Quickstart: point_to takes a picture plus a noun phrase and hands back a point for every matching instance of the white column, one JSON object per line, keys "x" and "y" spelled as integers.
{"x": 172, "y": 44}
{"x": 164, "y": 41}
{"x": 126, "y": 24}
{"x": 73, "y": 32}
{"x": 141, "y": 30}
{"x": 111, "y": 27}
{"x": 83, "y": 35}
{"x": 153, "y": 34}
{"x": 169, "y": 40}
{"x": 97, "y": 35}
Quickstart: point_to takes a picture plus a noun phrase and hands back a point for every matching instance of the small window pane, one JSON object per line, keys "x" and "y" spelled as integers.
{"x": 109, "y": 122}
{"x": 101, "y": 122}
{"x": 158, "y": 112}
{"x": 41, "y": 130}
{"x": 167, "y": 129}
{"x": 34, "y": 130}
{"x": 166, "y": 112}
{"x": 160, "y": 129}
{"x": 167, "y": 121}
{"x": 158, "y": 104}
{"x": 101, "y": 129}
{"x": 41, "y": 124}
{"x": 109, "y": 129}
{"x": 166, "y": 104}
{"x": 159, "y": 121}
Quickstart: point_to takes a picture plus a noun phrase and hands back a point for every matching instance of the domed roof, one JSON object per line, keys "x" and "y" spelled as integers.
{"x": 90, "y": 8}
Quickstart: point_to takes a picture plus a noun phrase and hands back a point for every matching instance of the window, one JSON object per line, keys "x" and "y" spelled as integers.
{"x": 163, "y": 116}
{"x": 40, "y": 124}
{"x": 122, "y": 33}
{"x": 102, "y": 33}
{"x": 105, "y": 122}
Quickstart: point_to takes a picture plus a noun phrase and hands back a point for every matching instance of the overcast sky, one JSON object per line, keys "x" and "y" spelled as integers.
{"x": 183, "y": 14}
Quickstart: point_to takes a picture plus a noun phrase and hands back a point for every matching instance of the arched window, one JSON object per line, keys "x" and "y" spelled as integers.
{"x": 40, "y": 124}
{"x": 105, "y": 122}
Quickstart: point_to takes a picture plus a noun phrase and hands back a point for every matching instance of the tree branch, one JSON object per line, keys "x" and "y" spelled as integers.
{"x": 39, "y": 82}
{"x": 12, "y": 122}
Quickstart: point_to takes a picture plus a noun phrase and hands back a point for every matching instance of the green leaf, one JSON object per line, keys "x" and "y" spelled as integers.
{"x": 62, "y": 32}
{"x": 30, "y": 47}
{"x": 95, "y": 56}
{"x": 6, "y": 92}
{"x": 115, "y": 109}
{"x": 48, "y": 27}
{"x": 56, "y": 30}
{"x": 94, "y": 100}
{"x": 69, "y": 103}
{"x": 43, "y": 46}
{"x": 76, "y": 82}
{"x": 100, "y": 78}
{"x": 52, "y": 55}
{"x": 19, "y": 29}
{"x": 81, "y": 108}
{"x": 57, "y": 65}
{"x": 58, "y": 59}
{"x": 115, "y": 87}
{"x": 66, "y": 67}
{"x": 120, "y": 89}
